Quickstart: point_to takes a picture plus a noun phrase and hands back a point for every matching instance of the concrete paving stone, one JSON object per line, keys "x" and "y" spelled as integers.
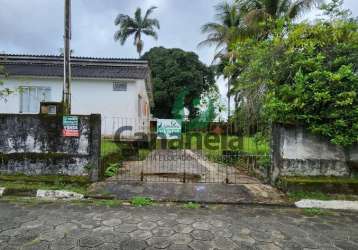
{"x": 202, "y": 235}
{"x": 183, "y": 228}
{"x": 162, "y": 232}
{"x": 140, "y": 234}
{"x": 267, "y": 246}
{"x": 108, "y": 246}
{"x": 147, "y": 225}
{"x": 132, "y": 220}
{"x": 159, "y": 242}
{"x": 179, "y": 247}
{"x": 251, "y": 228}
{"x": 125, "y": 228}
{"x": 112, "y": 222}
{"x": 201, "y": 225}
{"x": 133, "y": 245}
{"x": 224, "y": 243}
{"x": 180, "y": 239}
{"x": 186, "y": 221}
{"x": 90, "y": 241}
{"x": 63, "y": 244}
{"x": 201, "y": 245}
{"x": 346, "y": 245}
{"x": 167, "y": 223}
{"x": 40, "y": 245}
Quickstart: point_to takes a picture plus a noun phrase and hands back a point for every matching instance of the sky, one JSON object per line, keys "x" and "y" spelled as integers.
{"x": 36, "y": 26}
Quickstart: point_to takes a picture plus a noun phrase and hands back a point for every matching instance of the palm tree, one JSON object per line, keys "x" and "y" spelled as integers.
{"x": 222, "y": 34}
{"x": 138, "y": 25}
{"x": 258, "y": 10}
{"x": 228, "y": 29}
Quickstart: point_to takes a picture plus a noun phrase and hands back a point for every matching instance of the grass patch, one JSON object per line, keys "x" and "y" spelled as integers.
{"x": 141, "y": 201}
{"x": 29, "y": 183}
{"x": 109, "y": 147}
{"x": 191, "y": 205}
{"x": 143, "y": 154}
{"x": 321, "y": 184}
{"x": 321, "y": 179}
{"x": 311, "y": 212}
{"x": 300, "y": 195}
{"x": 107, "y": 203}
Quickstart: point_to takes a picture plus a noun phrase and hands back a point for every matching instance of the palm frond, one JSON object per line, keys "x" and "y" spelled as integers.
{"x": 147, "y": 23}
{"x": 138, "y": 16}
{"x": 120, "y": 18}
{"x": 151, "y": 32}
{"x": 149, "y": 11}
{"x": 300, "y": 6}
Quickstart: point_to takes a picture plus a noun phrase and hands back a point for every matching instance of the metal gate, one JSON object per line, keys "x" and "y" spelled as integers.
{"x": 209, "y": 153}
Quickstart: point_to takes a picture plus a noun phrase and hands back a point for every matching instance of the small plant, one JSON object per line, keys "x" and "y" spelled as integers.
{"x": 112, "y": 169}
{"x": 314, "y": 212}
{"x": 191, "y": 205}
{"x": 300, "y": 195}
{"x": 141, "y": 201}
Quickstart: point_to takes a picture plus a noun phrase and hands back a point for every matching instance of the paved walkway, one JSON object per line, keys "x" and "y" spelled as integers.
{"x": 172, "y": 165}
{"x": 65, "y": 226}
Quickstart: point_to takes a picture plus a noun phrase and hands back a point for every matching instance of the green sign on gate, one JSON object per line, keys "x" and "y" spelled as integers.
{"x": 168, "y": 129}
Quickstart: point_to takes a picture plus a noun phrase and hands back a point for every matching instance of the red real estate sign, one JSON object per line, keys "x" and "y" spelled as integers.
{"x": 70, "y": 126}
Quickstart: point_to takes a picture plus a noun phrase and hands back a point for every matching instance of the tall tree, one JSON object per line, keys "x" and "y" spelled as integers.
{"x": 228, "y": 29}
{"x": 136, "y": 26}
{"x": 260, "y": 10}
{"x": 178, "y": 77}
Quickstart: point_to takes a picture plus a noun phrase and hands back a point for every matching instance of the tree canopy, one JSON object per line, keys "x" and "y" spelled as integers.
{"x": 304, "y": 73}
{"x": 178, "y": 74}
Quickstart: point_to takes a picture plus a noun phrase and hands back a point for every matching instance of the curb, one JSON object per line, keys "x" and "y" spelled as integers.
{"x": 38, "y": 193}
{"x": 331, "y": 204}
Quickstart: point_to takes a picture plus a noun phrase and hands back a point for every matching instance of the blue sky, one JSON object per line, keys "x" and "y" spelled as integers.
{"x": 36, "y": 26}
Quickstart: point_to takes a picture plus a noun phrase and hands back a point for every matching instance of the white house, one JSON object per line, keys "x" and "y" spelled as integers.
{"x": 118, "y": 89}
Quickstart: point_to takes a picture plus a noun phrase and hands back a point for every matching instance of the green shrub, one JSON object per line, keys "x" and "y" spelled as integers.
{"x": 139, "y": 201}
{"x": 191, "y": 205}
{"x": 112, "y": 169}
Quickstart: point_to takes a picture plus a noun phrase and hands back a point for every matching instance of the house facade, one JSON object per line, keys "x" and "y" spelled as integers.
{"x": 118, "y": 89}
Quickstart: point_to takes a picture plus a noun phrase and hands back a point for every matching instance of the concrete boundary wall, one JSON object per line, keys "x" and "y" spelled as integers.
{"x": 34, "y": 145}
{"x": 297, "y": 152}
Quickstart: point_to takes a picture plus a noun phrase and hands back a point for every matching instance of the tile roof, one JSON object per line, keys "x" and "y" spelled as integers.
{"x": 81, "y": 67}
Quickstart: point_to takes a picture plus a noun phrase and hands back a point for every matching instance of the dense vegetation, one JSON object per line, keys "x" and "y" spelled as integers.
{"x": 176, "y": 72}
{"x": 297, "y": 73}
{"x": 304, "y": 74}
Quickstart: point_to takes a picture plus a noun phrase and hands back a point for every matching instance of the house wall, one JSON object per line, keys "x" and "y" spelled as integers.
{"x": 89, "y": 96}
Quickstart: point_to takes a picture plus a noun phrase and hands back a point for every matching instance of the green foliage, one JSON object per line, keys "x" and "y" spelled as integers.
{"x": 299, "y": 195}
{"x": 191, "y": 205}
{"x": 304, "y": 74}
{"x": 107, "y": 203}
{"x": 112, "y": 169}
{"x": 175, "y": 70}
{"x": 139, "y": 201}
{"x": 311, "y": 212}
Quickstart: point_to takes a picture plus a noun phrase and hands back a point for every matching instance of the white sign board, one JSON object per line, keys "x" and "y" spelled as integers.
{"x": 169, "y": 129}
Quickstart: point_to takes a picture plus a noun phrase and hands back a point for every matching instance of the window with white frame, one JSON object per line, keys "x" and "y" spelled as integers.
{"x": 31, "y": 97}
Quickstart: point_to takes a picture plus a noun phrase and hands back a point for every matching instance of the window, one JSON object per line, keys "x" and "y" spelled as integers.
{"x": 139, "y": 106}
{"x": 119, "y": 86}
{"x": 30, "y": 98}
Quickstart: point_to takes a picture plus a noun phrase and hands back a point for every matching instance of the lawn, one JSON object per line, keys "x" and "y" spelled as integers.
{"x": 215, "y": 145}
